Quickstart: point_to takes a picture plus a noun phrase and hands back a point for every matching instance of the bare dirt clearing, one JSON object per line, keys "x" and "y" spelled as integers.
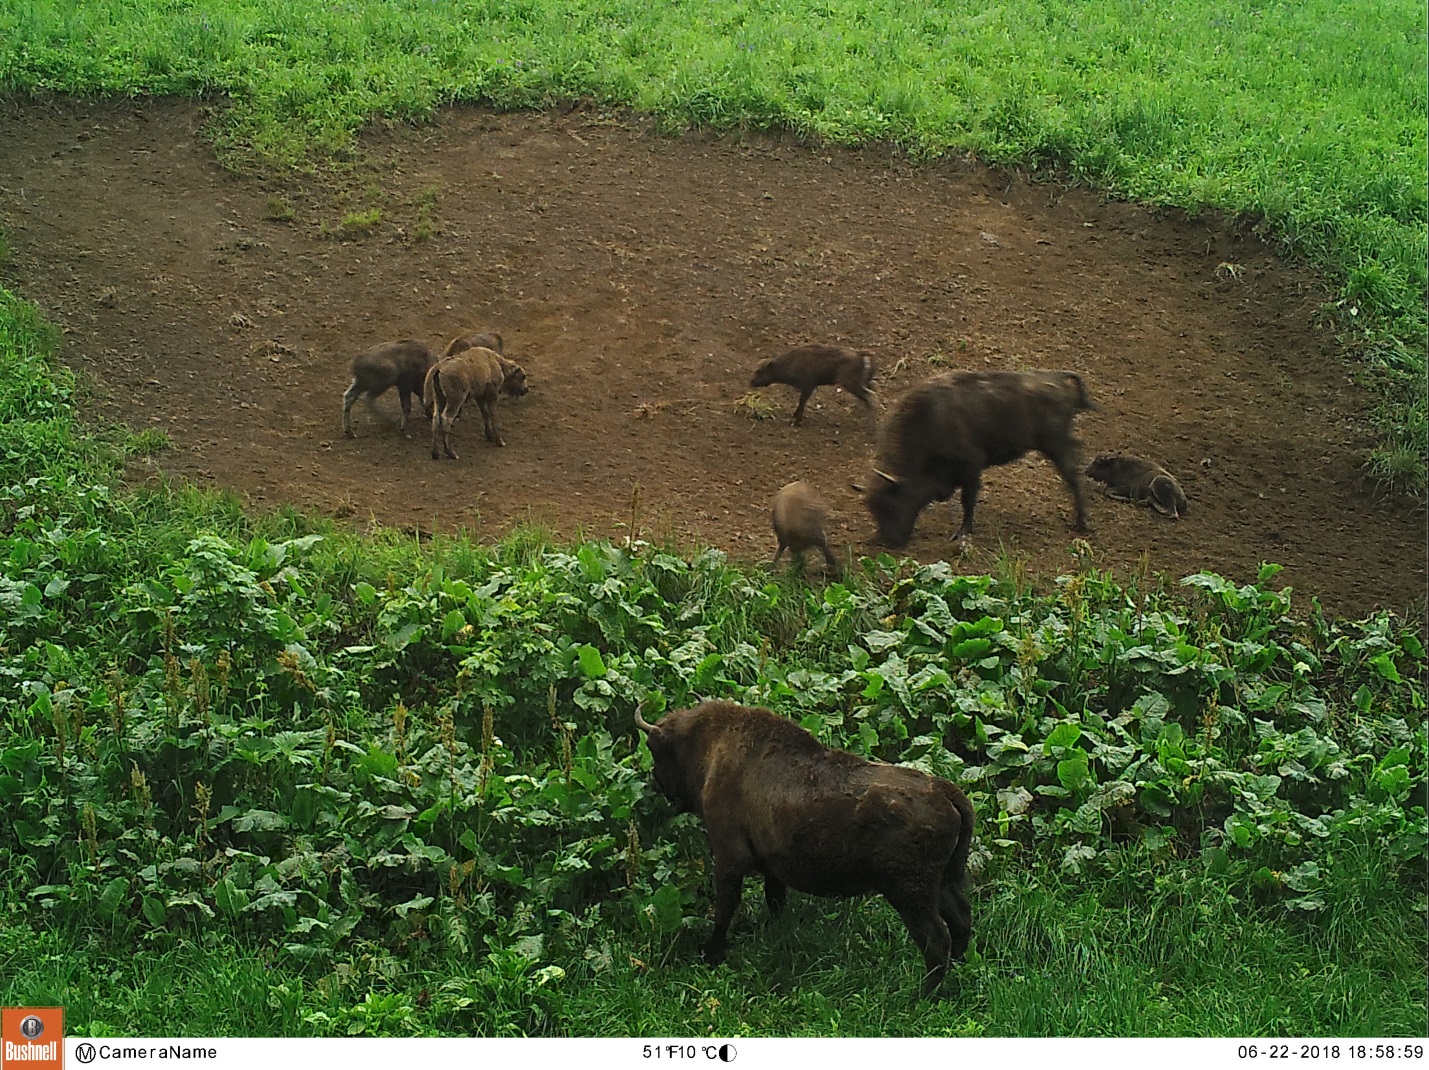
{"x": 639, "y": 279}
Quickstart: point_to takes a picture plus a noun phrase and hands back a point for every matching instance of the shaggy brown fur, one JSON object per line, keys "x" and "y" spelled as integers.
{"x": 480, "y": 374}
{"x": 475, "y": 340}
{"x": 402, "y": 364}
{"x": 1134, "y": 479}
{"x": 776, "y": 801}
{"x": 946, "y": 430}
{"x": 807, "y": 368}
{"x": 798, "y": 518}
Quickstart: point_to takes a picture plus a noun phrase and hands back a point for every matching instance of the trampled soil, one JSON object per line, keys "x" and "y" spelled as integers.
{"x": 639, "y": 278}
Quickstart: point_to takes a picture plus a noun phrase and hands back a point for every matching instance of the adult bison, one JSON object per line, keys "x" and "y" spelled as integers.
{"x": 776, "y": 801}
{"x": 946, "y": 430}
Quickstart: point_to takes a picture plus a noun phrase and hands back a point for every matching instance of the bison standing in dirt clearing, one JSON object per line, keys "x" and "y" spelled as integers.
{"x": 946, "y": 430}
{"x": 402, "y": 364}
{"x": 776, "y": 801}
{"x": 480, "y": 374}
{"x": 475, "y": 340}
{"x": 798, "y": 518}
{"x": 807, "y": 368}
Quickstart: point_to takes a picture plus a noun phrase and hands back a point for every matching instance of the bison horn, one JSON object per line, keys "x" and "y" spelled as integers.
{"x": 856, "y": 486}
{"x": 640, "y": 722}
{"x": 885, "y": 475}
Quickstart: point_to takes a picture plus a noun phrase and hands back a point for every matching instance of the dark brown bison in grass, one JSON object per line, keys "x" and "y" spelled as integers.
{"x": 946, "y": 430}
{"x": 776, "y": 801}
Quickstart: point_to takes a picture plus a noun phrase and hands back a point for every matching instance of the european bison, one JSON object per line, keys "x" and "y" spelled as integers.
{"x": 776, "y": 801}
{"x": 808, "y": 367}
{"x": 1134, "y": 479}
{"x": 480, "y": 374}
{"x": 402, "y": 364}
{"x": 946, "y": 430}
{"x": 474, "y": 340}
{"x": 798, "y": 518}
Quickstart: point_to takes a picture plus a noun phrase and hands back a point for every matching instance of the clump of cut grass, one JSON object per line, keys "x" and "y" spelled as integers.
{"x": 755, "y": 406}
{"x": 279, "y": 209}
{"x": 147, "y": 442}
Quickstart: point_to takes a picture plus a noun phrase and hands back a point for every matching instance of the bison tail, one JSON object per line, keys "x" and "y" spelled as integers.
{"x": 431, "y": 390}
{"x": 956, "y": 872}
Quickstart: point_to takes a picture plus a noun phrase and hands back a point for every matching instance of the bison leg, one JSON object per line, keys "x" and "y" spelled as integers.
{"x": 862, "y": 392}
{"x": 777, "y": 554}
{"x": 347, "y": 402}
{"x": 803, "y": 400}
{"x": 447, "y": 420}
{"x": 729, "y": 885}
{"x": 406, "y": 396}
{"x": 488, "y": 421}
{"x": 957, "y": 914}
{"x": 828, "y": 556}
{"x": 775, "y": 892}
{"x": 1067, "y": 469}
{"x": 971, "y": 485}
{"x": 930, "y": 933}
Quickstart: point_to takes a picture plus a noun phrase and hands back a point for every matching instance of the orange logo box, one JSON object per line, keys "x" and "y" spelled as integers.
{"x": 32, "y": 1038}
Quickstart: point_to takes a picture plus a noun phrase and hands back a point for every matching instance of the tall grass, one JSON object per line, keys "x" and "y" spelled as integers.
{"x": 1309, "y": 115}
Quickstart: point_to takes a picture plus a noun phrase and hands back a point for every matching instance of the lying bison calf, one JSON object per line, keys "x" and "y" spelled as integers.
{"x": 1134, "y": 479}
{"x": 480, "y": 374}
{"x": 946, "y": 430}
{"x": 401, "y": 364}
{"x": 798, "y": 518}
{"x": 776, "y": 801}
{"x": 810, "y": 367}
{"x": 475, "y": 340}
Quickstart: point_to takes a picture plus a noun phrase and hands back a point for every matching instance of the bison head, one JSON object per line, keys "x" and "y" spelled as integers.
{"x": 666, "y": 748}
{"x": 763, "y": 374}
{"x": 513, "y": 379}
{"x": 1102, "y": 468}
{"x": 894, "y": 505}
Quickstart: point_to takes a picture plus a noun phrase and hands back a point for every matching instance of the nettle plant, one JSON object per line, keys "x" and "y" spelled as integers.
{"x": 448, "y": 761}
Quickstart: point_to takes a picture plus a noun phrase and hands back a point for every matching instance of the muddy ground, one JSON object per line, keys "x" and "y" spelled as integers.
{"x": 639, "y": 278}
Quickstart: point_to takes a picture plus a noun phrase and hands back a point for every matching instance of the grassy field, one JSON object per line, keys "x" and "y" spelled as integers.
{"x": 1307, "y": 115}
{"x": 263, "y": 775}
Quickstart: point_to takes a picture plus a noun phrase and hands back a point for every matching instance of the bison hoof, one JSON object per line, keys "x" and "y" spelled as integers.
{"x": 714, "y": 954}
{"x": 349, "y": 433}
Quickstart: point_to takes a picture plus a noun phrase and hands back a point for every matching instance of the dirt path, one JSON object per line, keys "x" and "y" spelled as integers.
{"x": 639, "y": 279}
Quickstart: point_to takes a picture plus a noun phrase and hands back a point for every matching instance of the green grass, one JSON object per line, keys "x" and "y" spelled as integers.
{"x": 1307, "y": 115}
{"x": 1160, "y": 951}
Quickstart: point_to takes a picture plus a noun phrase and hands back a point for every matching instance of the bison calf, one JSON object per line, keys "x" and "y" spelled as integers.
{"x": 776, "y": 801}
{"x": 475, "y": 340}
{"x": 946, "y": 430}
{"x": 798, "y": 518}
{"x": 401, "y": 364}
{"x": 480, "y": 374}
{"x": 1134, "y": 479}
{"x": 809, "y": 367}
